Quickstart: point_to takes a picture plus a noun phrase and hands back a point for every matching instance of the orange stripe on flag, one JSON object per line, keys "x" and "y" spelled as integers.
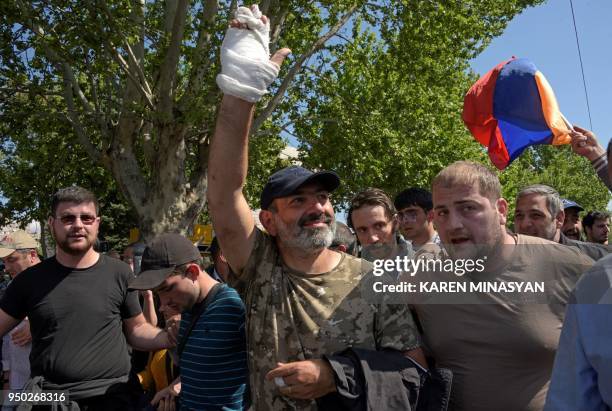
{"x": 551, "y": 111}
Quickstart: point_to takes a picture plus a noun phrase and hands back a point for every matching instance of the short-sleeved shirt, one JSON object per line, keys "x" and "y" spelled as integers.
{"x": 593, "y": 250}
{"x": 16, "y": 359}
{"x": 501, "y": 352}
{"x": 213, "y": 364}
{"x": 293, "y": 316}
{"x": 76, "y": 320}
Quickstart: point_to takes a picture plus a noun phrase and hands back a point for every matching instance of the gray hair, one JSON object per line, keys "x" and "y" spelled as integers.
{"x": 553, "y": 200}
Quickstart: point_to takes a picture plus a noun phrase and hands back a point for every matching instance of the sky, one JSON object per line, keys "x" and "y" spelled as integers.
{"x": 545, "y": 35}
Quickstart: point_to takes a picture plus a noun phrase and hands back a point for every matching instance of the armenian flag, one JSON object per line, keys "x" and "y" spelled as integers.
{"x": 511, "y": 108}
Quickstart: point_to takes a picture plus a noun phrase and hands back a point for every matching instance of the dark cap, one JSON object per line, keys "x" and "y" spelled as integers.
{"x": 286, "y": 181}
{"x": 571, "y": 204}
{"x": 161, "y": 257}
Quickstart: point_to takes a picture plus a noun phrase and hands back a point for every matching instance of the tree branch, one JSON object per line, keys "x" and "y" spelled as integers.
{"x": 200, "y": 172}
{"x": 340, "y": 36}
{"x": 320, "y": 42}
{"x": 70, "y": 86}
{"x": 201, "y": 60}
{"x": 264, "y": 7}
{"x": 73, "y": 118}
{"x": 148, "y": 143}
{"x": 169, "y": 15}
{"x": 232, "y": 9}
{"x": 59, "y": 61}
{"x": 148, "y": 98}
{"x": 169, "y": 66}
{"x": 277, "y": 26}
{"x": 133, "y": 67}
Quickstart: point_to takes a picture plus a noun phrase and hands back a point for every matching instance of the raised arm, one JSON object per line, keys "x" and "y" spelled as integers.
{"x": 247, "y": 72}
{"x": 585, "y": 144}
{"x": 227, "y": 171}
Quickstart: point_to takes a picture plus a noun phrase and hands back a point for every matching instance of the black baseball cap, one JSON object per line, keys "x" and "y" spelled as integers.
{"x": 286, "y": 181}
{"x": 161, "y": 257}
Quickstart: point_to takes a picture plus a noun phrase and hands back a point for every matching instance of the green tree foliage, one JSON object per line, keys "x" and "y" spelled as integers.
{"x": 383, "y": 108}
{"x": 126, "y": 89}
{"x": 42, "y": 156}
{"x": 135, "y": 81}
{"x": 572, "y": 176}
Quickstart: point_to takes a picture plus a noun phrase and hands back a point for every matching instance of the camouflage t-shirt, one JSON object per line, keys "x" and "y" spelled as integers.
{"x": 292, "y": 316}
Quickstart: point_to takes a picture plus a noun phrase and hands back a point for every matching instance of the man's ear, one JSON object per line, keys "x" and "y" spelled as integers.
{"x": 559, "y": 219}
{"x": 395, "y": 223}
{"x": 50, "y": 225}
{"x": 430, "y": 216}
{"x": 192, "y": 272}
{"x": 266, "y": 219}
{"x": 502, "y": 208}
{"x": 222, "y": 257}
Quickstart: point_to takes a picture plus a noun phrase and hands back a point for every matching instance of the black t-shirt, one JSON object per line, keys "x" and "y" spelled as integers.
{"x": 75, "y": 319}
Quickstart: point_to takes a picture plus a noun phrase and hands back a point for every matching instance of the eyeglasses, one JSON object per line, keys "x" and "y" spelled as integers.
{"x": 408, "y": 215}
{"x": 69, "y": 219}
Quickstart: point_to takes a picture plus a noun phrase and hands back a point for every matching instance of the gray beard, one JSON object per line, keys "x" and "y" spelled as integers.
{"x": 305, "y": 239}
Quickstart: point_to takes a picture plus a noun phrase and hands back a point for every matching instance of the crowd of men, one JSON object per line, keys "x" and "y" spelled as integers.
{"x": 284, "y": 319}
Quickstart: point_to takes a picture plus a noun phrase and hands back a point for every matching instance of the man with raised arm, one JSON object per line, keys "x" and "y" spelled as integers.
{"x": 303, "y": 300}
{"x": 585, "y": 144}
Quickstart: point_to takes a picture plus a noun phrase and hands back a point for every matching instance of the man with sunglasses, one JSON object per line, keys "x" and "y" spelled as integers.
{"x": 415, "y": 216}
{"x": 80, "y": 312}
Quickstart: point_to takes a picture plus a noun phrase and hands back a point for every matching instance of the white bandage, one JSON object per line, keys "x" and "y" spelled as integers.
{"x": 246, "y": 70}
{"x": 280, "y": 383}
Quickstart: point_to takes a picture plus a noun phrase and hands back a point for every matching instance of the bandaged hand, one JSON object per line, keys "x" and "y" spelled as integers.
{"x": 246, "y": 69}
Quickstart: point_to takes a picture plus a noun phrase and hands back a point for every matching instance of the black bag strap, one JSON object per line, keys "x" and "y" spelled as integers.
{"x": 196, "y": 315}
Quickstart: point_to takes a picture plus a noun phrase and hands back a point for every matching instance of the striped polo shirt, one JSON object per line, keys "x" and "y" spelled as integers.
{"x": 213, "y": 365}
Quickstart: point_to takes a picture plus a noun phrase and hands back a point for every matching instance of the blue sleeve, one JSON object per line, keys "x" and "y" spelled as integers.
{"x": 573, "y": 385}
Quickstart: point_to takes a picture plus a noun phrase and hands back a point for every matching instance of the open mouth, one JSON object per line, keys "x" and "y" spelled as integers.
{"x": 460, "y": 240}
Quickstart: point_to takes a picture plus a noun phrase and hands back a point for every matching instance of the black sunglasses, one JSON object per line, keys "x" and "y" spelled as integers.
{"x": 86, "y": 219}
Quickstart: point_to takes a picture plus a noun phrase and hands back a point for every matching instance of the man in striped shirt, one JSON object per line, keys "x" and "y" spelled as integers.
{"x": 213, "y": 366}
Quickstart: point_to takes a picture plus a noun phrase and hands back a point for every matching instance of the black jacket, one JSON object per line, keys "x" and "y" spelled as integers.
{"x": 384, "y": 381}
